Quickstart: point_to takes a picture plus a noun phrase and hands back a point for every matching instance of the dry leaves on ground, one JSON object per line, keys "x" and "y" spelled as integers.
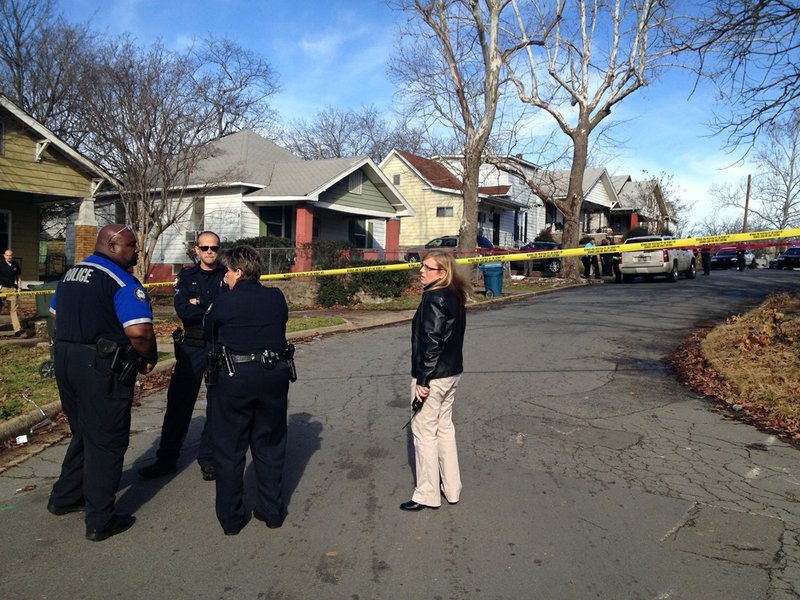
{"x": 750, "y": 365}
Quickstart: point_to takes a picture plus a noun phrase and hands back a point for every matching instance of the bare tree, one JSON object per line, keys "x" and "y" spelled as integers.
{"x": 338, "y": 133}
{"x": 42, "y": 64}
{"x": 751, "y": 51}
{"x": 597, "y": 55}
{"x": 152, "y": 126}
{"x": 775, "y": 184}
{"x": 717, "y": 224}
{"x": 237, "y": 84}
{"x": 450, "y": 68}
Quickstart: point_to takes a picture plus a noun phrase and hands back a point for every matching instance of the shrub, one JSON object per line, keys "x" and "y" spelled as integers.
{"x": 384, "y": 284}
{"x": 332, "y": 291}
{"x": 545, "y": 235}
{"x": 330, "y": 254}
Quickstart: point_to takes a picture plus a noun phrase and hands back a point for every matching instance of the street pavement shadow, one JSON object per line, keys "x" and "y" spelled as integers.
{"x": 304, "y": 439}
{"x": 136, "y": 492}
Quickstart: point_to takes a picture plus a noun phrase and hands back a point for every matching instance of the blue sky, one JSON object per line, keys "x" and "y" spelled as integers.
{"x": 335, "y": 53}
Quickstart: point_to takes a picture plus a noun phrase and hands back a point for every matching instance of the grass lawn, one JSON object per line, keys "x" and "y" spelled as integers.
{"x": 23, "y": 388}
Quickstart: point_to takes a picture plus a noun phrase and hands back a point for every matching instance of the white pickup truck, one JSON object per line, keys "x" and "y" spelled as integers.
{"x": 669, "y": 262}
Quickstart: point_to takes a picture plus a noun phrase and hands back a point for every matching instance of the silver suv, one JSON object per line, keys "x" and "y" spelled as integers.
{"x": 669, "y": 262}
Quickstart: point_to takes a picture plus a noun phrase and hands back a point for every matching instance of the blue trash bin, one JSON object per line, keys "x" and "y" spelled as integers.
{"x": 493, "y": 278}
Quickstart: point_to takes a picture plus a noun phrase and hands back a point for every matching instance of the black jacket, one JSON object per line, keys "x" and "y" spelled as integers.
{"x": 248, "y": 319}
{"x": 437, "y": 336}
{"x": 194, "y": 282}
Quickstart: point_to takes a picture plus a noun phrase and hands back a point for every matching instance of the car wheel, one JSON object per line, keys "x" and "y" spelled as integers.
{"x": 752, "y": 264}
{"x": 489, "y": 293}
{"x": 554, "y": 266}
{"x": 412, "y": 258}
{"x": 672, "y": 277}
{"x": 627, "y": 278}
{"x": 692, "y": 272}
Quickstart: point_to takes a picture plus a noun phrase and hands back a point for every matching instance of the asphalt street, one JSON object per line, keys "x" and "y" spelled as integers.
{"x": 589, "y": 472}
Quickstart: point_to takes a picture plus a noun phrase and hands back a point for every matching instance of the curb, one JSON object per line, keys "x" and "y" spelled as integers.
{"x": 22, "y": 424}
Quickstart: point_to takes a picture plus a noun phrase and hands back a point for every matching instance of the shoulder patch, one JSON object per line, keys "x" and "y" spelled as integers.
{"x": 141, "y": 294}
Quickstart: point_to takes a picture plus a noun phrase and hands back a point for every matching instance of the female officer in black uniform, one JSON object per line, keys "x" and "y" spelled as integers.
{"x": 249, "y": 400}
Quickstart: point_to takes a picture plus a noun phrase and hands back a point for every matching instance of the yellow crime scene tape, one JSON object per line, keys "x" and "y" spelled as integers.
{"x": 709, "y": 240}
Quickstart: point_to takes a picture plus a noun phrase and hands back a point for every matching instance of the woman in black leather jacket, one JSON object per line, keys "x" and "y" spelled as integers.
{"x": 436, "y": 365}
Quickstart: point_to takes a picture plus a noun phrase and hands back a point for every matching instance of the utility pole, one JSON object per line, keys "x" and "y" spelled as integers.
{"x": 746, "y": 206}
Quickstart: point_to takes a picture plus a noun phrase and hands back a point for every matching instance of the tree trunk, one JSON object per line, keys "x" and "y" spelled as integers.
{"x": 468, "y": 234}
{"x": 574, "y": 201}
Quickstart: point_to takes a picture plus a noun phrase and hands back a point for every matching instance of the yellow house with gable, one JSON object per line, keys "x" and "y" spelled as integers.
{"x": 36, "y": 169}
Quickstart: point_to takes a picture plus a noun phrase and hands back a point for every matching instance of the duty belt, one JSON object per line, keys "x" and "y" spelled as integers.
{"x": 268, "y": 359}
{"x": 267, "y": 355}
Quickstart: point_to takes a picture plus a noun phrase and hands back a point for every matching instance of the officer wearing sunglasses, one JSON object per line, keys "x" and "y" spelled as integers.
{"x": 195, "y": 290}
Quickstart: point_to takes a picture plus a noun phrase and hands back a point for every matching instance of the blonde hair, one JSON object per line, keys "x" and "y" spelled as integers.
{"x": 452, "y": 278}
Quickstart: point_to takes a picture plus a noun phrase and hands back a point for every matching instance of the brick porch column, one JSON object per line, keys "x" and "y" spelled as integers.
{"x": 304, "y": 231}
{"x": 85, "y": 230}
{"x": 392, "y": 239}
{"x": 634, "y": 220}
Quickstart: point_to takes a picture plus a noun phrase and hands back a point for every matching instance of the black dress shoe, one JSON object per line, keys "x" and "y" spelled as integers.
{"x": 411, "y": 505}
{"x": 157, "y": 469}
{"x": 65, "y": 510}
{"x": 209, "y": 472}
{"x": 119, "y": 523}
{"x": 272, "y": 523}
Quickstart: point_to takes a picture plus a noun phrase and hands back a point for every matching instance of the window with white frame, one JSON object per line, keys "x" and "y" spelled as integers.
{"x": 396, "y": 179}
{"x": 355, "y": 182}
{"x": 444, "y": 211}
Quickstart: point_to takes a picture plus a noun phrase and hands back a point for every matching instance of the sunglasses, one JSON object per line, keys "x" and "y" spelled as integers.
{"x": 116, "y": 233}
{"x": 427, "y": 268}
{"x": 207, "y": 248}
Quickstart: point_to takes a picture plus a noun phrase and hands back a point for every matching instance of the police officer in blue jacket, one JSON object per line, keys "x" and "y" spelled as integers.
{"x": 195, "y": 290}
{"x": 249, "y": 400}
{"x": 104, "y": 335}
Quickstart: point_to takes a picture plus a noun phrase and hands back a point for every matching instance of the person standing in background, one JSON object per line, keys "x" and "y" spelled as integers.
{"x": 196, "y": 288}
{"x": 11, "y": 281}
{"x": 605, "y": 259}
{"x": 705, "y": 259}
{"x": 590, "y": 263}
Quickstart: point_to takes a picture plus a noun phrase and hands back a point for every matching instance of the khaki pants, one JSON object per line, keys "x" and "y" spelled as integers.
{"x": 435, "y": 451}
{"x": 12, "y": 310}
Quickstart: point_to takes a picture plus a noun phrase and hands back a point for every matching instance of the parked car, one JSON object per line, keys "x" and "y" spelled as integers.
{"x": 446, "y": 243}
{"x": 789, "y": 259}
{"x": 669, "y": 262}
{"x": 726, "y": 258}
{"x": 773, "y": 263}
{"x": 546, "y": 265}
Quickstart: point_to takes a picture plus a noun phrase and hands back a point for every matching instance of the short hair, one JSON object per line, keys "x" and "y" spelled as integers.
{"x": 202, "y": 233}
{"x": 243, "y": 258}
